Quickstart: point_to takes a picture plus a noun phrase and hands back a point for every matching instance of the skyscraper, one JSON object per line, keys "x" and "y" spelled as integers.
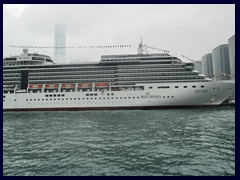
{"x": 221, "y": 66}
{"x": 60, "y": 43}
{"x": 207, "y": 65}
{"x": 231, "y": 46}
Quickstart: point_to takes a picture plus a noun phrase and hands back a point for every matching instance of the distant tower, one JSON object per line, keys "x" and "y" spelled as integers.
{"x": 60, "y": 43}
{"x": 140, "y": 48}
{"x": 231, "y": 46}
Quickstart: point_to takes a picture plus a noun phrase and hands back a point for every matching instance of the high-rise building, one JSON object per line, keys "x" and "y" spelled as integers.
{"x": 198, "y": 66}
{"x": 60, "y": 43}
{"x": 207, "y": 65}
{"x": 221, "y": 65}
{"x": 231, "y": 46}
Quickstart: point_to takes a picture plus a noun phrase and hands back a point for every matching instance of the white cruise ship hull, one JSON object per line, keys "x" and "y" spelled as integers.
{"x": 152, "y": 97}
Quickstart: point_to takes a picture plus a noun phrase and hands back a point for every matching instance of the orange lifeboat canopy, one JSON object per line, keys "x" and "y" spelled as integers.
{"x": 51, "y": 86}
{"x": 35, "y": 86}
{"x": 85, "y": 85}
{"x": 68, "y": 85}
{"x": 102, "y": 84}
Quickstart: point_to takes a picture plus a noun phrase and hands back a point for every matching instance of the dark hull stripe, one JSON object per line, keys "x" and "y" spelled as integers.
{"x": 110, "y": 108}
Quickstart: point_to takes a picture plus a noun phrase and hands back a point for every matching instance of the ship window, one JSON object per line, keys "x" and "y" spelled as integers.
{"x": 62, "y": 98}
{"x": 138, "y": 97}
{"x": 108, "y": 94}
{"x": 63, "y": 95}
{"x": 176, "y": 86}
{"x": 129, "y": 97}
{"x": 112, "y": 97}
{"x": 91, "y": 94}
{"x": 87, "y": 98}
{"x": 108, "y": 98}
{"x": 100, "y": 98}
{"x": 26, "y": 99}
{"x": 184, "y": 86}
{"x": 54, "y": 95}
{"x": 50, "y": 95}
{"x": 46, "y": 99}
{"x": 34, "y": 99}
{"x": 87, "y": 94}
{"x": 95, "y": 98}
{"x": 95, "y": 94}
{"x": 46, "y": 95}
{"x": 172, "y": 96}
{"x": 75, "y": 98}
{"x": 59, "y": 95}
{"x": 70, "y": 98}
{"x": 163, "y": 87}
{"x": 193, "y": 86}
{"x": 78, "y": 98}
{"x": 116, "y": 97}
{"x": 133, "y": 97}
{"x": 66, "y": 98}
{"x": 163, "y": 96}
{"x": 91, "y": 98}
{"x": 168, "y": 97}
{"x": 150, "y": 87}
{"x": 83, "y": 98}
{"x": 112, "y": 94}
{"x": 125, "y": 97}
{"x": 202, "y": 86}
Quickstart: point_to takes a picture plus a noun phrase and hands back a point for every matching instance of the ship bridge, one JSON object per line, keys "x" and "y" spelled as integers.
{"x": 27, "y": 59}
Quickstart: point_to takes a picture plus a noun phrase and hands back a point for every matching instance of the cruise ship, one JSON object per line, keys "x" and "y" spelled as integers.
{"x": 33, "y": 82}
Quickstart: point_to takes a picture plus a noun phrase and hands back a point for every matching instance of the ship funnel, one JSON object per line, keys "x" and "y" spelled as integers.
{"x": 140, "y": 47}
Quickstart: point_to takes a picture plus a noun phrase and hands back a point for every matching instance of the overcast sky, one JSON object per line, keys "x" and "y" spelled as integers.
{"x": 190, "y": 30}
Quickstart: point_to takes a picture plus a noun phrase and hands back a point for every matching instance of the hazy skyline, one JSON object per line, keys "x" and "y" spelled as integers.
{"x": 190, "y": 30}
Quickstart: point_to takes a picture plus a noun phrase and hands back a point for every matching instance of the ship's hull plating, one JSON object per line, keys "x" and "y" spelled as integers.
{"x": 205, "y": 94}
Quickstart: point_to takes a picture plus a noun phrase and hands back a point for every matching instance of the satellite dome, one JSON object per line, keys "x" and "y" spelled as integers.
{"x": 25, "y": 51}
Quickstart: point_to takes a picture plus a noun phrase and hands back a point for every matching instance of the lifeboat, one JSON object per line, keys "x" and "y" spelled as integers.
{"x": 51, "y": 86}
{"x": 68, "y": 86}
{"x": 85, "y": 85}
{"x": 35, "y": 86}
{"x": 103, "y": 85}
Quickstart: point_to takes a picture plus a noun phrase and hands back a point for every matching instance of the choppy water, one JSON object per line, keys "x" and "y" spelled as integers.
{"x": 138, "y": 142}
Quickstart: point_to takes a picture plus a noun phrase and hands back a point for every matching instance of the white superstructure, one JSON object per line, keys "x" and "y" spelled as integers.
{"x": 33, "y": 82}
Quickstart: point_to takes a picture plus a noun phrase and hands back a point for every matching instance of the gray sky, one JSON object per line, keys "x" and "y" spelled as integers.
{"x": 190, "y": 30}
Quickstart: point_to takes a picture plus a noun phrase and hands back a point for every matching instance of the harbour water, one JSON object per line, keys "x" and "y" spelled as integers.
{"x": 138, "y": 142}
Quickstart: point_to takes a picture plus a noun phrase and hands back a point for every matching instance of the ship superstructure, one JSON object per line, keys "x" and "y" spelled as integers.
{"x": 34, "y": 82}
